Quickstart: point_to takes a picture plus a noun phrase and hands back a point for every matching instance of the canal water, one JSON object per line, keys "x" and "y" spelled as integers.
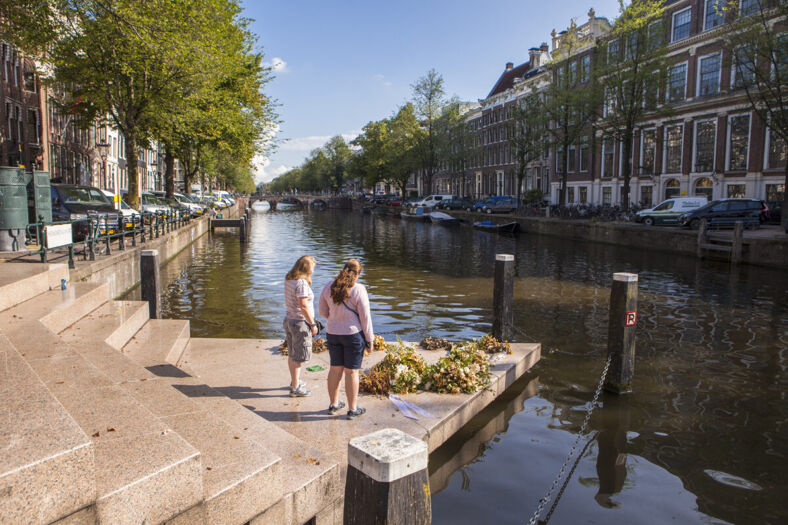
{"x": 702, "y": 440}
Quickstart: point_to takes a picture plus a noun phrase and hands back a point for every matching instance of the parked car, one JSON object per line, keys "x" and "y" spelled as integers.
{"x": 497, "y": 204}
{"x": 775, "y": 211}
{"x": 195, "y": 209}
{"x": 394, "y": 201}
{"x": 726, "y": 212}
{"x": 669, "y": 211}
{"x": 430, "y": 201}
{"x": 79, "y": 203}
{"x": 130, "y": 215}
{"x": 455, "y": 204}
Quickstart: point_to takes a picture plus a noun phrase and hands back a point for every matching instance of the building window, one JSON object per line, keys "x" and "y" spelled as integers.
{"x": 777, "y": 151}
{"x": 672, "y": 189}
{"x": 560, "y": 160}
{"x": 648, "y": 149}
{"x": 30, "y": 80}
{"x": 570, "y": 195}
{"x": 33, "y": 127}
{"x": 572, "y": 73}
{"x": 607, "y": 157}
{"x": 570, "y": 159}
{"x": 585, "y": 68}
{"x": 655, "y": 35}
{"x": 709, "y": 75}
{"x": 613, "y": 52}
{"x": 677, "y": 82}
{"x": 673, "y": 141}
{"x": 775, "y": 192}
{"x": 749, "y": 7}
{"x": 607, "y": 194}
{"x": 736, "y": 191}
{"x": 704, "y": 188}
{"x": 743, "y": 69}
{"x": 651, "y": 92}
{"x": 681, "y": 24}
{"x": 646, "y": 196}
{"x": 715, "y": 13}
{"x": 705, "y": 135}
{"x": 583, "y": 197}
{"x": 584, "y": 154}
{"x": 632, "y": 45}
{"x": 738, "y": 142}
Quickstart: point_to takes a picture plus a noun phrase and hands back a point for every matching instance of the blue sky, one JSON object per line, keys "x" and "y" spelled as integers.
{"x": 340, "y": 64}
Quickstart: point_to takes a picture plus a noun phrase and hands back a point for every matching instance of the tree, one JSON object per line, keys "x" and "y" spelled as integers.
{"x": 337, "y": 154}
{"x": 628, "y": 75}
{"x": 456, "y": 141}
{"x": 527, "y": 132}
{"x": 758, "y": 35}
{"x": 401, "y": 151}
{"x": 429, "y": 101}
{"x": 567, "y": 105}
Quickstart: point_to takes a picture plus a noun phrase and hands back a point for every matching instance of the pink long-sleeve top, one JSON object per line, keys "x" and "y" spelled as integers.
{"x": 341, "y": 321}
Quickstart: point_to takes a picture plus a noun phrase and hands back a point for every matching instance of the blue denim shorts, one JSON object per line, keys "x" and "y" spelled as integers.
{"x": 346, "y": 350}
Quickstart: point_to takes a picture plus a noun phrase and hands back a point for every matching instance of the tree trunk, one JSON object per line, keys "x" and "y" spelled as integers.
{"x": 131, "y": 167}
{"x": 169, "y": 171}
{"x": 626, "y": 168}
{"x": 784, "y": 217}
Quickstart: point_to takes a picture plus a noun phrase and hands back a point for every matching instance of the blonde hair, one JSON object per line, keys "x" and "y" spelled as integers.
{"x": 345, "y": 280}
{"x": 302, "y": 269}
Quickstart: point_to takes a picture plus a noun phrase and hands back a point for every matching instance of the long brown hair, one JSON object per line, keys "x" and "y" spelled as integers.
{"x": 302, "y": 269}
{"x": 345, "y": 280}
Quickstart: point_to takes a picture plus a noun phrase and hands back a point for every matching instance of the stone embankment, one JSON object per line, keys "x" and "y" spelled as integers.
{"x": 765, "y": 247}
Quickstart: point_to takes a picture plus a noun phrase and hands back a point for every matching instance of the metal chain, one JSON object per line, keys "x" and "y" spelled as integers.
{"x": 568, "y": 477}
{"x": 546, "y": 498}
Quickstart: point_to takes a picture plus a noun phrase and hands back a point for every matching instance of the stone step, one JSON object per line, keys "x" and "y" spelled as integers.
{"x": 113, "y": 323}
{"x": 22, "y": 281}
{"x": 159, "y": 342}
{"x": 46, "y": 460}
{"x": 311, "y": 484}
{"x": 144, "y": 471}
{"x": 57, "y": 309}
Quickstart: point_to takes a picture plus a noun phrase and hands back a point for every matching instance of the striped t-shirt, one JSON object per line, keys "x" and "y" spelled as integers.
{"x": 294, "y": 289}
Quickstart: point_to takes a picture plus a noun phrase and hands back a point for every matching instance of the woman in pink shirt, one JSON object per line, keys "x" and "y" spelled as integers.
{"x": 345, "y": 304}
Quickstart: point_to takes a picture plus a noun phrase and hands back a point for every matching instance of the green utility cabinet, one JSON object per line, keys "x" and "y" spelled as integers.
{"x": 39, "y": 198}
{"x": 13, "y": 208}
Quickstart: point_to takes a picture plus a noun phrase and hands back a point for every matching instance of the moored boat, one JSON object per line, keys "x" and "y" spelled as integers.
{"x": 443, "y": 218}
{"x": 509, "y": 227}
{"x": 417, "y": 215}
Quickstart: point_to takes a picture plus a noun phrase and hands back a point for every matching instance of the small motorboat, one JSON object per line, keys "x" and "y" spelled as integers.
{"x": 489, "y": 226}
{"x": 417, "y": 214}
{"x": 438, "y": 217}
{"x": 261, "y": 206}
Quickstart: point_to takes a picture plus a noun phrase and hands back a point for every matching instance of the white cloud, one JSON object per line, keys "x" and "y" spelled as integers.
{"x": 277, "y": 65}
{"x": 381, "y": 79}
{"x": 265, "y": 172}
{"x": 312, "y": 142}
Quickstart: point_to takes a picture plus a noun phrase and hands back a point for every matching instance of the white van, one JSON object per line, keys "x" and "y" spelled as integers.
{"x": 431, "y": 200}
{"x": 669, "y": 211}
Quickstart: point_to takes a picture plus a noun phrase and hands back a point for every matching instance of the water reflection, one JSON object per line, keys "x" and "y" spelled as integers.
{"x": 710, "y": 369}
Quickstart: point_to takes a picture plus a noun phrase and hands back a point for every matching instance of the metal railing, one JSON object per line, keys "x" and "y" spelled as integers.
{"x": 97, "y": 232}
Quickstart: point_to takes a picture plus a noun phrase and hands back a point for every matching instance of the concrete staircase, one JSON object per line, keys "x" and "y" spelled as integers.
{"x": 99, "y": 425}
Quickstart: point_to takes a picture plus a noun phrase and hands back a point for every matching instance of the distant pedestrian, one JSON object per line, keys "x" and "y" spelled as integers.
{"x": 299, "y": 321}
{"x": 345, "y": 304}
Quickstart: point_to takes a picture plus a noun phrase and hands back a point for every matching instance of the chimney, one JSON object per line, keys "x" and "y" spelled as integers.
{"x": 509, "y": 66}
{"x": 533, "y": 56}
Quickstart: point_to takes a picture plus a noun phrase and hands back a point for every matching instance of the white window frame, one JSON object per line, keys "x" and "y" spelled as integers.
{"x": 706, "y": 12}
{"x": 700, "y": 70}
{"x": 642, "y": 150}
{"x": 695, "y": 145}
{"x": 667, "y": 83}
{"x": 733, "y": 71}
{"x": 767, "y": 147}
{"x": 586, "y": 145}
{"x": 603, "y": 165}
{"x": 571, "y": 153}
{"x": 618, "y": 50}
{"x": 673, "y": 24}
{"x": 665, "y": 150}
{"x": 728, "y": 141}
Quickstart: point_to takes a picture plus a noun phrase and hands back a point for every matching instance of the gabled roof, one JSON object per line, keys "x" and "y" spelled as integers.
{"x": 506, "y": 80}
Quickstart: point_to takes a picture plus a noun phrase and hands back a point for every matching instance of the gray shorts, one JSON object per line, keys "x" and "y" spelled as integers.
{"x": 299, "y": 340}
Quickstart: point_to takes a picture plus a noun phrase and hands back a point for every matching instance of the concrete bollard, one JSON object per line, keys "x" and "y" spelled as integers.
{"x": 387, "y": 480}
{"x": 621, "y": 332}
{"x": 150, "y": 281}
{"x": 243, "y": 229}
{"x": 503, "y": 297}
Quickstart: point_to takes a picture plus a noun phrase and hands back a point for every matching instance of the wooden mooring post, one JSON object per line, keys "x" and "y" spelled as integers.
{"x": 503, "y": 297}
{"x": 243, "y": 229}
{"x": 738, "y": 241}
{"x": 621, "y": 332}
{"x": 150, "y": 281}
{"x": 387, "y": 481}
